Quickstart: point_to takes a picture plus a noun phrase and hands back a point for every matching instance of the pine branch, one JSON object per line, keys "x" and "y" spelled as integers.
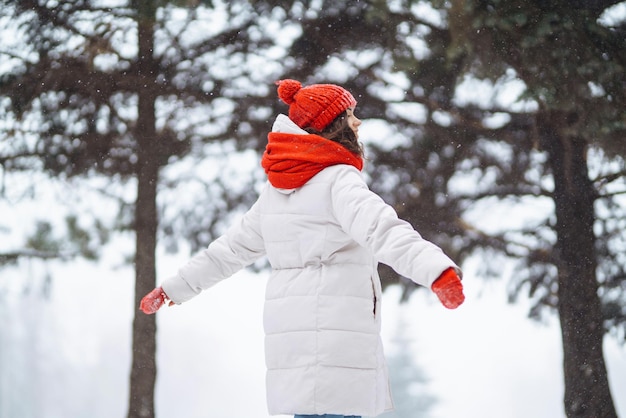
{"x": 12, "y": 257}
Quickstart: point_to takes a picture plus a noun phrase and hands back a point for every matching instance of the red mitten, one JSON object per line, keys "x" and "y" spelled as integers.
{"x": 153, "y": 301}
{"x": 449, "y": 289}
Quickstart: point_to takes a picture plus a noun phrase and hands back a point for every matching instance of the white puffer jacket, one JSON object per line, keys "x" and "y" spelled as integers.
{"x": 322, "y": 311}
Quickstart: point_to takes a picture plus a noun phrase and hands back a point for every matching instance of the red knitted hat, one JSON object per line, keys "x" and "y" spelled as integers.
{"x": 316, "y": 105}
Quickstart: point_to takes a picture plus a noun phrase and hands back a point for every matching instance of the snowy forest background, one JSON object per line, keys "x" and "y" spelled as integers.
{"x": 130, "y": 137}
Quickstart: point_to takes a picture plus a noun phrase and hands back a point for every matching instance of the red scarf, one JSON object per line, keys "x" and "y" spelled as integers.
{"x": 290, "y": 160}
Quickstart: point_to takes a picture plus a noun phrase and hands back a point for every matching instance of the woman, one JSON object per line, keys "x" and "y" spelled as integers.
{"x": 324, "y": 233}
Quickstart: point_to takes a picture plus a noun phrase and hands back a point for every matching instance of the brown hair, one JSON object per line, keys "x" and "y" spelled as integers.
{"x": 339, "y": 131}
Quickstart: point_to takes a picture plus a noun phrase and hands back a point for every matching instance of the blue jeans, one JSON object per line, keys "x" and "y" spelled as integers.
{"x": 326, "y": 416}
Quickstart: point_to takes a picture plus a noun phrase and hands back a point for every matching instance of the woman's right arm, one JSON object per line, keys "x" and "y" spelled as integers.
{"x": 374, "y": 224}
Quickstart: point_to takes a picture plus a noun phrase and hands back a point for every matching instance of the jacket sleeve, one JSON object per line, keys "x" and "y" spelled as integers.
{"x": 375, "y": 225}
{"x": 239, "y": 247}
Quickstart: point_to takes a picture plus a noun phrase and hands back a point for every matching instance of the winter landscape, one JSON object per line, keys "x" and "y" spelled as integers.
{"x": 130, "y": 138}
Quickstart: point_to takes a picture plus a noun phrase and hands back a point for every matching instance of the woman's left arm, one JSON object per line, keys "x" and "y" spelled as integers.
{"x": 239, "y": 247}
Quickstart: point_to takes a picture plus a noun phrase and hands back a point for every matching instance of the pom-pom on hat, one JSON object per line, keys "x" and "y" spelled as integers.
{"x": 316, "y": 105}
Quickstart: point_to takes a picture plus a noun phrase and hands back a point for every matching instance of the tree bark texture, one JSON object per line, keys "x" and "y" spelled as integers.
{"x": 587, "y": 392}
{"x": 143, "y": 368}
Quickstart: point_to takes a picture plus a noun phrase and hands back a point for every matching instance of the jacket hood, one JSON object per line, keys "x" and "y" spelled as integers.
{"x": 285, "y": 125}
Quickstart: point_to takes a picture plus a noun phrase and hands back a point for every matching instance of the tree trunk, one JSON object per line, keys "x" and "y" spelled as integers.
{"x": 587, "y": 392}
{"x": 143, "y": 369}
